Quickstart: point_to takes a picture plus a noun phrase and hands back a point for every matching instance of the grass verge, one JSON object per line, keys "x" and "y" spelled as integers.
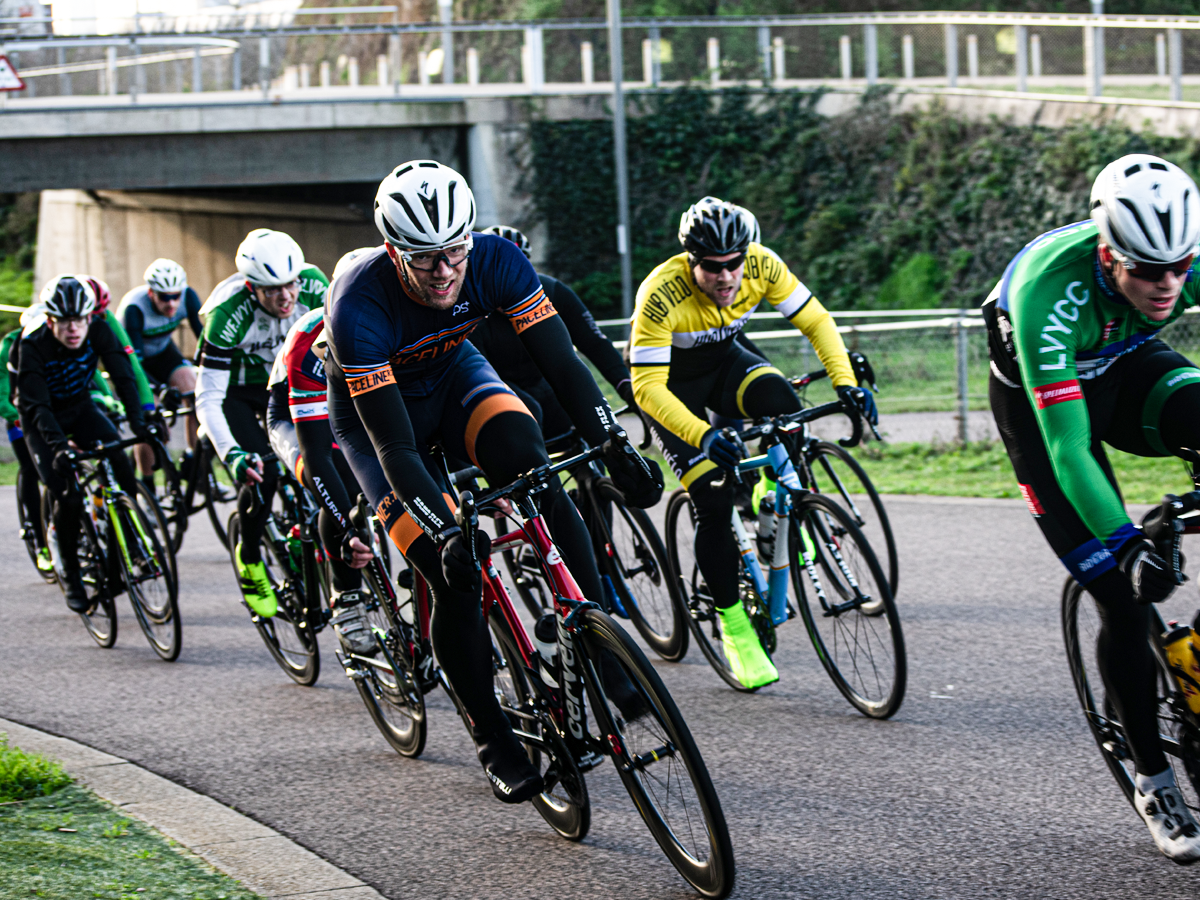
{"x": 61, "y": 842}
{"x": 983, "y": 470}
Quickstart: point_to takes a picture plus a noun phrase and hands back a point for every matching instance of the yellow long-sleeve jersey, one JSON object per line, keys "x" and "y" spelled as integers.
{"x": 678, "y": 332}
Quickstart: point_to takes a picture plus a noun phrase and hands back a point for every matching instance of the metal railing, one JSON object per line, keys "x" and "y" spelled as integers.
{"x": 367, "y": 47}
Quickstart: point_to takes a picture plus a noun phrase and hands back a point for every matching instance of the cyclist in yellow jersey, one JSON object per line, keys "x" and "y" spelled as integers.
{"x": 686, "y": 363}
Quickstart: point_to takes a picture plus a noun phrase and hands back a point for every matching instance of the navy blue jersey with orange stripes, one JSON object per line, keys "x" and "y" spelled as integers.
{"x": 380, "y": 335}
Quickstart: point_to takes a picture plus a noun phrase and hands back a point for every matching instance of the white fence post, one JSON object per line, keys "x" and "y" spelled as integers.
{"x": 531, "y": 59}
{"x": 871, "y": 53}
{"x": 1035, "y": 55}
{"x": 472, "y": 66}
{"x": 847, "y": 61}
{"x": 197, "y": 72}
{"x": 906, "y": 50}
{"x": 714, "y": 61}
{"x": 394, "y": 55}
{"x": 1021, "y": 33}
{"x": 972, "y": 56}
{"x": 381, "y": 70}
{"x": 586, "y": 62}
{"x": 446, "y": 11}
{"x": 305, "y": 75}
{"x": 264, "y": 65}
{"x": 1160, "y": 55}
{"x": 647, "y": 61}
{"x": 963, "y": 398}
{"x": 423, "y": 67}
{"x": 352, "y": 71}
{"x": 777, "y": 48}
{"x": 764, "y": 53}
{"x": 655, "y": 55}
{"x": 326, "y": 77}
{"x": 1175, "y": 42}
{"x": 952, "y": 55}
{"x": 110, "y": 69}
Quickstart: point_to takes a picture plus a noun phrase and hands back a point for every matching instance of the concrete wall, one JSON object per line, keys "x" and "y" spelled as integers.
{"x": 114, "y": 235}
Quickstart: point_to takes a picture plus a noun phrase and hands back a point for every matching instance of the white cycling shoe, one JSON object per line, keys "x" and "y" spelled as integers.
{"x": 351, "y": 625}
{"x": 1170, "y": 822}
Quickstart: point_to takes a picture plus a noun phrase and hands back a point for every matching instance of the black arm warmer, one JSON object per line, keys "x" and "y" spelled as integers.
{"x": 316, "y": 447}
{"x": 549, "y": 343}
{"x": 385, "y": 418}
{"x": 134, "y": 322}
{"x": 585, "y": 333}
{"x": 191, "y": 302}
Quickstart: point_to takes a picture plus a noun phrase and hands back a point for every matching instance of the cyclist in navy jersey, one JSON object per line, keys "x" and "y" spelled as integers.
{"x": 402, "y": 376}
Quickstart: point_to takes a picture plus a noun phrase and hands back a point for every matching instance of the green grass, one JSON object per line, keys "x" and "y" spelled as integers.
{"x": 983, "y": 470}
{"x": 64, "y": 843}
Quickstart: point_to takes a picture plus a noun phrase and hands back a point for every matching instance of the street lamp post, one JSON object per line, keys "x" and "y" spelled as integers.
{"x": 621, "y": 158}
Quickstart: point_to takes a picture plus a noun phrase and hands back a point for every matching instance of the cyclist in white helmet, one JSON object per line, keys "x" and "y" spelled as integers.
{"x": 1077, "y": 362}
{"x": 246, "y": 318}
{"x": 150, "y": 313}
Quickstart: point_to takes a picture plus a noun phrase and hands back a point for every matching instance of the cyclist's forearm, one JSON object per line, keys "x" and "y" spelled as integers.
{"x": 385, "y": 418}
{"x": 815, "y": 323}
{"x": 655, "y": 398}
{"x": 211, "y": 387}
{"x": 549, "y": 344}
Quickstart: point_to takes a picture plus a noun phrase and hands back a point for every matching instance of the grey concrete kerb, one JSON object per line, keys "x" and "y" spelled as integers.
{"x": 263, "y": 860}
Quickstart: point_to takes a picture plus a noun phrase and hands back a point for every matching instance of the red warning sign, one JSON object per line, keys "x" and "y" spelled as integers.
{"x": 9, "y": 79}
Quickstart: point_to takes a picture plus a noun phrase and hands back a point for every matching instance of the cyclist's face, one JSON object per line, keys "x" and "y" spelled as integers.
{"x": 720, "y": 287}
{"x": 437, "y": 287}
{"x": 1153, "y": 299}
{"x": 166, "y": 304}
{"x": 69, "y": 332}
{"x": 278, "y": 301}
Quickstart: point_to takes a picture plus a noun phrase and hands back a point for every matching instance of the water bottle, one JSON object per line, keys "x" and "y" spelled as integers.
{"x": 1179, "y": 645}
{"x": 295, "y": 550}
{"x": 545, "y": 638}
{"x": 765, "y": 538}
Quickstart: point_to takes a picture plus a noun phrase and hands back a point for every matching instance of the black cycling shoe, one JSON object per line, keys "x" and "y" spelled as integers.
{"x": 620, "y": 690}
{"x": 514, "y": 778}
{"x": 76, "y": 593}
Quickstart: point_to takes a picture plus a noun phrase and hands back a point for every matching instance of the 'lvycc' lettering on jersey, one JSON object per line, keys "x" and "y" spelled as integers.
{"x": 1068, "y": 309}
{"x": 1059, "y": 392}
{"x": 363, "y": 384}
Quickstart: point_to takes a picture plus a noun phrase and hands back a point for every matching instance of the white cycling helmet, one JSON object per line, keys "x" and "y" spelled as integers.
{"x": 269, "y": 258}
{"x": 348, "y": 258}
{"x": 424, "y": 205}
{"x": 1147, "y": 209}
{"x": 165, "y": 276}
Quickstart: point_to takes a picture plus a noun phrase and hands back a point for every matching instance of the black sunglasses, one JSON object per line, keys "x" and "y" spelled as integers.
{"x": 713, "y": 267}
{"x": 1155, "y": 273}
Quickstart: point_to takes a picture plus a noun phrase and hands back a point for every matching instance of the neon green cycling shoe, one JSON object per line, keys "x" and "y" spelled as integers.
{"x": 256, "y": 585}
{"x": 761, "y": 489}
{"x": 44, "y": 563}
{"x": 744, "y": 651}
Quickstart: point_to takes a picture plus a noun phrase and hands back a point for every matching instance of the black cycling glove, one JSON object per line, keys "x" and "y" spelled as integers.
{"x": 1152, "y": 578}
{"x": 458, "y": 567}
{"x": 63, "y": 461}
{"x": 639, "y": 480}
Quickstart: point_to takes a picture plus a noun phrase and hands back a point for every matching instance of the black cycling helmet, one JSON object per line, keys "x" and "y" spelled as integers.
{"x": 68, "y": 297}
{"x": 510, "y": 234}
{"x": 713, "y": 227}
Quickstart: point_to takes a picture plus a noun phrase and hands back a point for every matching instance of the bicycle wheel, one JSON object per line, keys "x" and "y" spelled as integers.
{"x": 207, "y": 484}
{"x": 564, "y": 804}
{"x": 862, "y": 652}
{"x": 1179, "y": 736}
{"x": 658, "y": 762}
{"x": 288, "y": 638}
{"x": 637, "y": 562}
{"x": 174, "y": 503}
{"x": 158, "y": 521}
{"x": 701, "y": 609}
{"x": 388, "y": 684}
{"x": 101, "y": 619}
{"x": 146, "y": 568}
{"x": 836, "y": 473}
{"x": 29, "y": 534}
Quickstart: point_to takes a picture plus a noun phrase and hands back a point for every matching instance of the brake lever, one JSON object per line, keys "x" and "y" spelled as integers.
{"x": 467, "y": 518}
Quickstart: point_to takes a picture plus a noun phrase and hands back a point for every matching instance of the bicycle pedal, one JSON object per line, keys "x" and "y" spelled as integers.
{"x": 589, "y": 760}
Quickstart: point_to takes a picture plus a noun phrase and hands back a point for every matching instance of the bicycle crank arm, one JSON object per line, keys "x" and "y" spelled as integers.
{"x": 838, "y": 608}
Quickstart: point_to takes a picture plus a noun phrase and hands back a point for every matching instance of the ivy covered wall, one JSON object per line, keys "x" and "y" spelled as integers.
{"x": 872, "y": 208}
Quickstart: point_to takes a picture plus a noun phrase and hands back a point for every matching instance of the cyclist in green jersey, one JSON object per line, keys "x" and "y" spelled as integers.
{"x": 247, "y": 318}
{"x": 1076, "y": 361}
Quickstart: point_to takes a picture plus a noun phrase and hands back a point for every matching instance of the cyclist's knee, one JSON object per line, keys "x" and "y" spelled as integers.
{"x": 712, "y": 494}
{"x": 769, "y": 395}
{"x": 509, "y": 445}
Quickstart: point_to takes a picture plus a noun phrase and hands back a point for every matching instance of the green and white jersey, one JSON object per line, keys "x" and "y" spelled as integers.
{"x": 239, "y": 345}
{"x": 1056, "y": 321}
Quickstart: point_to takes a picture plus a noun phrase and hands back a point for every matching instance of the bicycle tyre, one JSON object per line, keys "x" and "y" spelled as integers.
{"x": 206, "y": 463}
{"x": 161, "y": 525}
{"x": 711, "y": 874}
{"x": 174, "y": 489}
{"x": 825, "y": 452}
{"x": 877, "y": 637}
{"x": 392, "y": 696}
{"x": 101, "y": 620}
{"x": 654, "y": 593}
{"x": 565, "y": 805}
{"x": 159, "y": 619}
{"x": 28, "y": 532}
{"x": 701, "y": 609}
{"x": 289, "y": 640}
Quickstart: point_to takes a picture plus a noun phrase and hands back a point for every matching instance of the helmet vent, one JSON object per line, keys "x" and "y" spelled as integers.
{"x": 1164, "y": 221}
{"x": 1138, "y": 218}
{"x": 431, "y": 209}
{"x": 450, "y": 202}
{"x": 1160, "y": 166}
{"x": 1134, "y": 168}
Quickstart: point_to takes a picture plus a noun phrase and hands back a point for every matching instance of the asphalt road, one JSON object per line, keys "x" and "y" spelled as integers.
{"x": 985, "y": 784}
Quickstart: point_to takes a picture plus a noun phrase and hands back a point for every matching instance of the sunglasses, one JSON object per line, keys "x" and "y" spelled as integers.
{"x": 1155, "y": 273}
{"x": 713, "y": 267}
{"x": 168, "y": 298}
{"x": 453, "y": 256}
